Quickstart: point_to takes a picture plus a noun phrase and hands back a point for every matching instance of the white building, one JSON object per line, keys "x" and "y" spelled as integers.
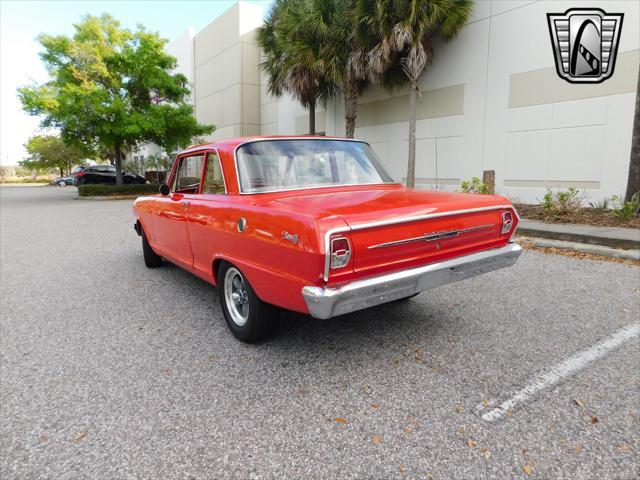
{"x": 491, "y": 100}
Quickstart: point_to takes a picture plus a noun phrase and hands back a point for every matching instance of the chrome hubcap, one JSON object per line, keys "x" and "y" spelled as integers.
{"x": 237, "y": 299}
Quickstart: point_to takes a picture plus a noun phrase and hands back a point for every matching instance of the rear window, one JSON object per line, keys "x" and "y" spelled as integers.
{"x": 272, "y": 165}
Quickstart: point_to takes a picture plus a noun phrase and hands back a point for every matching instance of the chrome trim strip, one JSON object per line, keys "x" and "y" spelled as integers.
{"x": 302, "y": 138}
{"x": 327, "y": 302}
{"x": 395, "y": 221}
{"x": 430, "y": 237}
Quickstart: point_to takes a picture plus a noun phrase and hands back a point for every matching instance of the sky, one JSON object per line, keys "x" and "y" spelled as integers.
{"x": 22, "y": 21}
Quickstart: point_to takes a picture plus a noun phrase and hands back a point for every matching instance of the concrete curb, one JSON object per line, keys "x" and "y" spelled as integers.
{"x": 587, "y": 248}
{"x": 108, "y": 197}
{"x": 604, "y": 236}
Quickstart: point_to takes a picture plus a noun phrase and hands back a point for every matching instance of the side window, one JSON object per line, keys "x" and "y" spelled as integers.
{"x": 188, "y": 177}
{"x": 213, "y": 179}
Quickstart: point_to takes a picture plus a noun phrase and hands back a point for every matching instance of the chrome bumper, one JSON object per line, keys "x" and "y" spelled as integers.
{"x": 327, "y": 302}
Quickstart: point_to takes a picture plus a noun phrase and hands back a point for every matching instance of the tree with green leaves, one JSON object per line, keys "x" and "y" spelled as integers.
{"x": 112, "y": 89}
{"x": 293, "y": 57}
{"x": 49, "y": 151}
{"x": 406, "y": 29}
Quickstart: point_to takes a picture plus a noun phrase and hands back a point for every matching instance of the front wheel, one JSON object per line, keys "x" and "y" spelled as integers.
{"x": 62, "y": 183}
{"x": 249, "y": 318}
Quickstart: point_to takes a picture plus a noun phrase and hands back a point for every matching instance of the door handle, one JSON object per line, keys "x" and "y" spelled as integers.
{"x": 186, "y": 204}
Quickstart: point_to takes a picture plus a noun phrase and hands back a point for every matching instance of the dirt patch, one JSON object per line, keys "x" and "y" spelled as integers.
{"x": 583, "y": 216}
{"x": 527, "y": 244}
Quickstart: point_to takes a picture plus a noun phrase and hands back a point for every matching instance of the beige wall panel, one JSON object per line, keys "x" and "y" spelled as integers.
{"x": 269, "y": 113}
{"x": 269, "y": 129}
{"x": 219, "y": 35}
{"x": 251, "y": 104}
{"x": 544, "y": 86}
{"x": 435, "y": 103}
{"x": 250, "y": 64}
{"x": 220, "y": 72}
{"x": 449, "y": 158}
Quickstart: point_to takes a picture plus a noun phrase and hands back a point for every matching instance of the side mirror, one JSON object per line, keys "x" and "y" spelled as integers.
{"x": 164, "y": 189}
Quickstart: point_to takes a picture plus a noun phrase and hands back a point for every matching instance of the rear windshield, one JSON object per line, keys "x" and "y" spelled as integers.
{"x": 271, "y": 165}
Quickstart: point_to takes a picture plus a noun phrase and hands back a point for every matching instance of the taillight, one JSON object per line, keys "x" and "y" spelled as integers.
{"x": 340, "y": 252}
{"x": 80, "y": 174}
{"x": 507, "y": 221}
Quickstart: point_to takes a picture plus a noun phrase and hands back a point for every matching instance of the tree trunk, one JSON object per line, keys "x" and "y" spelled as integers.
{"x": 61, "y": 171}
{"x": 312, "y": 118}
{"x": 411, "y": 165}
{"x": 633, "y": 181}
{"x": 350, "y": 109}
{"x": 118, "y": 162}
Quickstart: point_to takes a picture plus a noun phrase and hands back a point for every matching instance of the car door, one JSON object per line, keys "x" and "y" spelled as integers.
{"x": 171, "y": 229}
{"x": 207, "y": 222}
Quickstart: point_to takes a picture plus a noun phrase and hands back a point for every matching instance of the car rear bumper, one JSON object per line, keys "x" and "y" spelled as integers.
{"x": 327, "y": 302}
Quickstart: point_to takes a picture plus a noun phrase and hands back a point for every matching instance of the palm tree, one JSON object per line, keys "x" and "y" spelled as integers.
{"x": 405, "y": 29}
{"x": 293, "y": 57}
{"x": 633, "y": 180}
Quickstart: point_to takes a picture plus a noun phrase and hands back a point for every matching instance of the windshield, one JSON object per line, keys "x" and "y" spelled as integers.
{"x": 269, "y": 165}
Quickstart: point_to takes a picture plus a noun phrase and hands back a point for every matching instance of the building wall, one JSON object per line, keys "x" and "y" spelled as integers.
{"x": 492, "y": 100}
{"x": 226, "y": 72}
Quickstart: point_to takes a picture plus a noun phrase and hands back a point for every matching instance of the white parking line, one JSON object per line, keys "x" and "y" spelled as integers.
{"x": 563, "y": 370}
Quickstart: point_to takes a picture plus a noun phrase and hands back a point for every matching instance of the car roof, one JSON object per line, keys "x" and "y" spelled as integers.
{"x": 232, "y": 143}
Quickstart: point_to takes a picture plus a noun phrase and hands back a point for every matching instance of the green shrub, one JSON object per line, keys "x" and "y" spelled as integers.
{"x": 562, "y": 201}
{"x": 111, "y": 190}
{"x": 626, "y": 210}
{"x": 474, "y": 186}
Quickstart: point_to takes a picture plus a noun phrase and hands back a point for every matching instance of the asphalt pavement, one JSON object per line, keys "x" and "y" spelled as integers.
{"x": 111, "y": 370}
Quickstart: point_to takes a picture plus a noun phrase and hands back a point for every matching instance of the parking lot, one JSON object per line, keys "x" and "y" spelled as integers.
{"x": 111, "y": 370}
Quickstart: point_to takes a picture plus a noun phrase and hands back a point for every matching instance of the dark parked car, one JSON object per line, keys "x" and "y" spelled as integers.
{"x": 103, "y": 174}
{"x": 63, "y": 181}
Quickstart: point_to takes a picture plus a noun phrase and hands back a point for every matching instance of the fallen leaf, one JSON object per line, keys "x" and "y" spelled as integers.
{"x": 44, "y": 438}
{"x": 578, "y": 448}
{"x": 340, "y": 420}
{"x": 408, "y": 429}
{"x": 396, "y": 360}
{"x": 625, "y": 310}
{"x": 366, "y": 389}
{"x": 578, "y": 402}
{"x": 485, "y": 403}
{"x": 402, "y": 468}
{"x": 377, "y": 439}
{"x": 211, "y": 358}
{"x": 485, "y": 453}
{"x": 528, "y": 469}
{"x": 623, "y": 447}
{"x": 459, "y": 409}
{"x": 563, "y": 440}
{"x": 594, "y": 419}
{"x": 471, "y": 443}
{"x": 79, "y": 436}
{"x": 301, "y": 392}
{"x": 375, "y": 406}
{"x": 167, "y": 371}
{"x": 509, "y": 413}
{"x": 461, "y": 431}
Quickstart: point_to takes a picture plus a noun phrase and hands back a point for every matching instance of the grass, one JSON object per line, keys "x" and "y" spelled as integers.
{"x": 112, "y": 190}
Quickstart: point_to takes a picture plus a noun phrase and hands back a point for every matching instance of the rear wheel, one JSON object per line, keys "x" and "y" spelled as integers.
{"x": 61, "y": 183}
{"x": 151, "y": 258}
{"x": 249, "y": 318}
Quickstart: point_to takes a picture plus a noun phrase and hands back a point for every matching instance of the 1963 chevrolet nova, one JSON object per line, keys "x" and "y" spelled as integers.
{"x": 315, "y": 225}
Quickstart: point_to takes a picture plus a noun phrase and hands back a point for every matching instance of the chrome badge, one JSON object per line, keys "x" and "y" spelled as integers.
{"x": 291, "y": 237}
{"x": 585, "y": 43}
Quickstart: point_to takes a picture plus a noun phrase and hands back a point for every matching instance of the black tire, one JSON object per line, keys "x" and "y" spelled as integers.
{"x": 62, "y": 183}
{"x": 261, "y": 317}
{"x": 151, "y": 258}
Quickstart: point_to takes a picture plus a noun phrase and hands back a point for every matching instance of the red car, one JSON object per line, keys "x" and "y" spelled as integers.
{"x": 314, "y": 225}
